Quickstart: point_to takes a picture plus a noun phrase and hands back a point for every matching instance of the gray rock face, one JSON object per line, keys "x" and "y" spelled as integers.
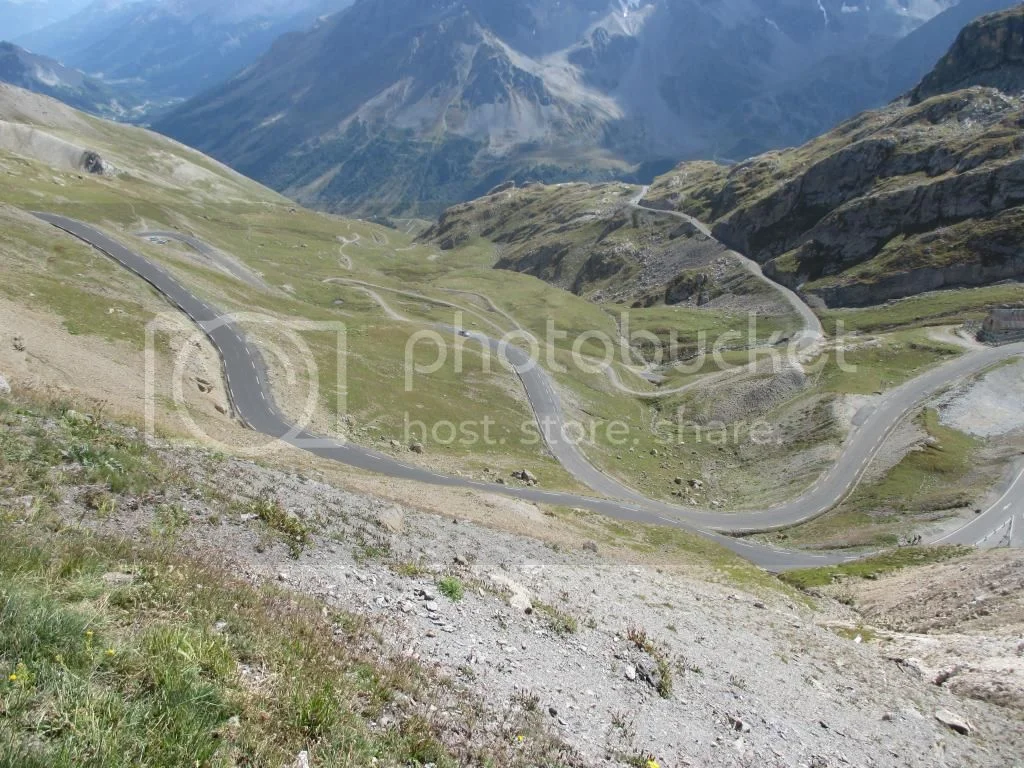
{"x": 990, "y": 51}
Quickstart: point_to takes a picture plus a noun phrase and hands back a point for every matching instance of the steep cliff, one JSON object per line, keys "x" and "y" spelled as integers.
{"x": 988, "y": 52}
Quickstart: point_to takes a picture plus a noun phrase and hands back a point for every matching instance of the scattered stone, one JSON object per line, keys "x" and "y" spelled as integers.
{"x": 738, "y": 724}
{"x": 526, "y": 476}
{"x": 647, "y": 671}
{"x": 760, "y": 604}
{"x": 954, "y": 722}
{"x": 590, "y": 546}
{"x": 77, "y": 419}
{"x": 115, "y": 578}
{"x": 460, "y": 560}
{"x": 5, "y": 388}
{"x": 282, "y": 576}
{"x": 552, "y": 711}
{"x": 221, "y": 409}
{"x": 696, "y": 484}
{"x": 391, "y": 520}
{"x": 396, "y": 445}
{"x": 416, "y": 447}
{"x": 302, "y": 760}
{"x": 630, "y": 673}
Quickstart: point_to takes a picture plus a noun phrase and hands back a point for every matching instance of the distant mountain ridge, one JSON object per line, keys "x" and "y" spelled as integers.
{"x": 412, "y": 105}
{"x": 18, "y": 17}
{"x": 50, "y": 78}
{"x": 170, "y": 50}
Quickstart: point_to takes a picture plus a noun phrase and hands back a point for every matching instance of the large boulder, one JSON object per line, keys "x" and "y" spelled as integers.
{"x": 93, "y": 163}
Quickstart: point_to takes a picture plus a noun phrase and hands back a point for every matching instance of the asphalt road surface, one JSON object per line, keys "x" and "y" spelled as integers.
{"x": 812, "y": 328}
{"x": 253, "y": 402}
{"x": 227, "y": 263}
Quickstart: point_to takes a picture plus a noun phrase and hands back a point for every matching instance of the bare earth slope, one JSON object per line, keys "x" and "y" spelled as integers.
{"x": 611, "y": 651}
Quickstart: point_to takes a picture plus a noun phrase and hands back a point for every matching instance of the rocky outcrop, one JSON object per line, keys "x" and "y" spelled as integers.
{"x": 912, "y": 282}
{"x": 927, "y": 193}
{"x": 857, "y": 231}
{"x": 988, "y": 52}
{"x": 93, "y": 163}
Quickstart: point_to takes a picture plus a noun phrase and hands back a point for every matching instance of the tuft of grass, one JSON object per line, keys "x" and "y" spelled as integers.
{"x": 560, "y": 622}
{"x": 866, "y": 634}
{"x": 410, "y": 569}
{"x": 170, "y": 520}
{"x": 293, "y": 531}
{"x": 451, "y": 588}
{"x": 638, "y": 636}
{"x": 45, "y": 443}
{"x": 872, "y": 567}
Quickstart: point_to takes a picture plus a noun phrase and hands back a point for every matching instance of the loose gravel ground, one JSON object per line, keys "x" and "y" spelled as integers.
{"x": 629, "y": 662}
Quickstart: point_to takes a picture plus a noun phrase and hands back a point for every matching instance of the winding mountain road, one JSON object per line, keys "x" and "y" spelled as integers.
{"x": 812, "y": 328}
{"x": 252, "y": 399}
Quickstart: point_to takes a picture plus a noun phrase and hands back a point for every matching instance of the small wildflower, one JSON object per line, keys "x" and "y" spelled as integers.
{"x": 520, "y": 738}
{"x": 652, "y": 763}
{"x": 88, "y": 633}
{"x": 111, "y": 651}
{"x": 13, "y": 678}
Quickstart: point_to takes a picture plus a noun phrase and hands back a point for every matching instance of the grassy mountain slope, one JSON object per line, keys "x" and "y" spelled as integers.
{"x": 152, "y": 183}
